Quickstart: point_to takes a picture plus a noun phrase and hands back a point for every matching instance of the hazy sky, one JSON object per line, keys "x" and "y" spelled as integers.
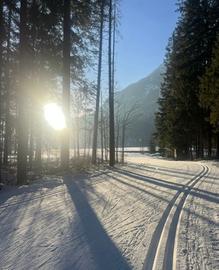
{"x": 145, "y": 27}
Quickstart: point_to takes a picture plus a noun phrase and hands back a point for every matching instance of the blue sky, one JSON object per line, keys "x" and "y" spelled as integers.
{"x": 145, "y": 27}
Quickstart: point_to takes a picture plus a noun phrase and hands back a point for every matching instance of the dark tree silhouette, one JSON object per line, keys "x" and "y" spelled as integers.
{"x": 22, "y": 99}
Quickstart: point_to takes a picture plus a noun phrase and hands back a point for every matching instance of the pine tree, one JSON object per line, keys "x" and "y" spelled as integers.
{"x": 209, "y": 95}
{"x": 181, "y": 121}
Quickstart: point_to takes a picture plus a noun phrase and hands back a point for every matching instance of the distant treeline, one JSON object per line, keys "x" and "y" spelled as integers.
{"x": 188, "y": 118}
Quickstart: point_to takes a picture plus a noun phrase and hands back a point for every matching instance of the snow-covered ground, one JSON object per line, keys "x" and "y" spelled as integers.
{"x": 150, "y": 214}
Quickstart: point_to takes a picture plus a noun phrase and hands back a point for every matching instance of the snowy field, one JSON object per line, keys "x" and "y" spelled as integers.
{"x": 150, "y": 214}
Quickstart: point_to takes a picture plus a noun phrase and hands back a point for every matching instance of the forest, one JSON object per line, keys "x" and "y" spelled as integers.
{"x": 188, "y": 118}
{"x": 52, "y": 57}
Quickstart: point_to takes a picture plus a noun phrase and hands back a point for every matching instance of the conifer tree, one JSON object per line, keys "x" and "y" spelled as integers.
{"x": 209, "y": 95}
{"x": 181, "y": 121}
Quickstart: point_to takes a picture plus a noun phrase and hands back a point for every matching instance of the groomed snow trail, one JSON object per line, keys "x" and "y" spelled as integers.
{"x": 198, "y": 246}
{"x": 109, "y": 219}
{"x": 165, "y": 235}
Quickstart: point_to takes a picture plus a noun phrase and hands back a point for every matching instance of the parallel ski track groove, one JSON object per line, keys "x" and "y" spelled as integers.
{"x": 168, "y": 262}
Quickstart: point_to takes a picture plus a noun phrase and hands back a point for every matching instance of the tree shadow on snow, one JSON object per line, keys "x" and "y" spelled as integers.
{"x": 105, "y": 253}
{"x": 197, "y": 192}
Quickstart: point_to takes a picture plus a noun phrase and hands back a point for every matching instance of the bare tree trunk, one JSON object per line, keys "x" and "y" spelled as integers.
{"x": 22, "y": 100}
{"x": 105, "y": 132}
{"x": 101, "y": 129}
{"x": 85, "y": 136}
{"x": 96, "y": 116}
{"x": 111, "y": 94}
{"x": 117, "y": 140}
{"x": 123, "y": 144}
{"x": 89, "y": 142}
{"x": 66, "y": 85}
{"x": 7, "y": 77}
{"x": 78, "y": 136}
{"x": 113, "y": 73}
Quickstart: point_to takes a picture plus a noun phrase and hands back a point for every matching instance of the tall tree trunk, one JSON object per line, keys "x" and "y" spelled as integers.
{"x": 74, "y": 135}
{"x": 78, "y": 136}
{"x": 113, "y": 72}
{"x": 217, "y": 147}
{"x": 117, "y": 140}
{"x": 7, "y": 77}
{"x": 96, "y": 116}
{"x": 201, "y": 145}
{"x": 85, "y": 141}
{"x": 22, "y": 100}
{"x": 114, "y": 46}
{"x": 85, "y": 131}
{"x": 66, "y": 85}
{"x": 1, "y": 62}
{"x": 101, "y": 128}
{"x": 89, "y": 141}
{"x": 105, "y": 132}
{"x": 123, "y": 144}
{"x": 31, "y": 146}
{"x": 209, "y": 142}
{"x": 38, "y": 157}
{"x": 111, "y": 94}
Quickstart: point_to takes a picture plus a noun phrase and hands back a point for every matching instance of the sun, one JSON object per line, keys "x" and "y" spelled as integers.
{"x": 54, "y": 116}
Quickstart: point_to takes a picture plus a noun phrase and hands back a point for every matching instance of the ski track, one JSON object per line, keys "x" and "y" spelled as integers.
{"x": 199, "y": 235}
{"x": 108, "y": 220}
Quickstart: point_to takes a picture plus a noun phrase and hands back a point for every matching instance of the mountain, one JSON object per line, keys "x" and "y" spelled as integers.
{"x": 144, "y": 95}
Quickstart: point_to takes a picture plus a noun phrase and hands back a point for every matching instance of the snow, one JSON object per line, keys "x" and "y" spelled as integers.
{"x": 109, "y": 219}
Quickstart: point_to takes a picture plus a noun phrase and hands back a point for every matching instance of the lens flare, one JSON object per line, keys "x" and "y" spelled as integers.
{"x": 54, "y": 116}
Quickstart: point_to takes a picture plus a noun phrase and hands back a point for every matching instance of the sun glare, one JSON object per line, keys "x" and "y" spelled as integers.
{"x": 54, "y": 116}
